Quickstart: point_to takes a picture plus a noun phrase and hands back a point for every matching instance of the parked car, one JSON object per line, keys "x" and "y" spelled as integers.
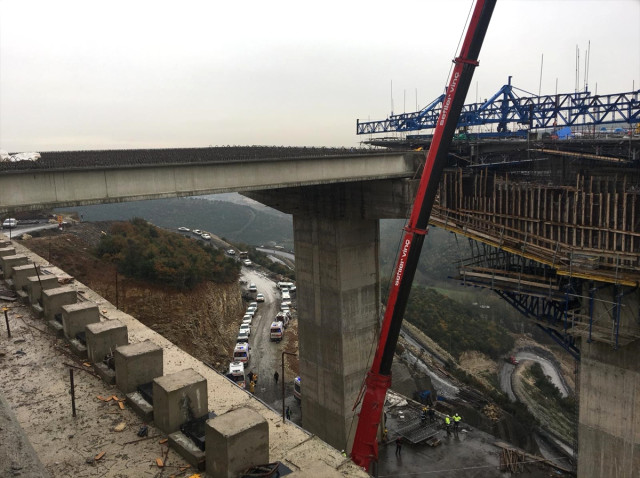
{"x": 243, "y": 337}
{"x": 260, "y": 298}
{"x": 197, "y": 231}
{"x": 231, "y": 252}
{"x": 9, "y": 223}
{"x": 253, "y": 304}
{"x": 236, "y": 373}
{"x": 246, "y": 320}
{"x": 252, "y": 309}
{"x": 245, "y": 328}
{"x": 183, "y": 229}
{"x": 206, "y": 237}
{"x": 246, "y": 262}
{"x": 252, "y": 287}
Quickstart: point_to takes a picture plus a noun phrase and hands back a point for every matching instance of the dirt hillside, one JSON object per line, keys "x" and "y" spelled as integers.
{"x": 197, "y": 321}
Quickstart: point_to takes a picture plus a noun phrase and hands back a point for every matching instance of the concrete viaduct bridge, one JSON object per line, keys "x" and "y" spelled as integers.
{"x": 555, "y": 231}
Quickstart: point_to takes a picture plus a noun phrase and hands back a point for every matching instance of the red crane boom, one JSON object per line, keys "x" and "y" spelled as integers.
{"x": 365, "y": 445}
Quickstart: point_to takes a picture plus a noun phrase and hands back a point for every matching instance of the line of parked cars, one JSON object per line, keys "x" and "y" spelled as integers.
{"x": 203, "y": 234}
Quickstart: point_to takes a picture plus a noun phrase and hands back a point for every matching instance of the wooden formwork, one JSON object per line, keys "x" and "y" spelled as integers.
{"x": 589, "y": 229}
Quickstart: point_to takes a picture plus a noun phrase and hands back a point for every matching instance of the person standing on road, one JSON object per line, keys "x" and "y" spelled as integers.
{"x": 432, "y": 414}
{"x": 398, "y": 445}
{"x": 447, "y": 424}
{"x": 276, "y": 375}
{"x": 456, "y": 423}
{"x": 288, "y": 413}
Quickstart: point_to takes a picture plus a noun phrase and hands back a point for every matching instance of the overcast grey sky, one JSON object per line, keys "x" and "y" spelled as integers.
{"x": 136, "y": 74}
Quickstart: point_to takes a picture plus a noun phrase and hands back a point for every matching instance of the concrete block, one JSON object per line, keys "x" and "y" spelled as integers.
{"x": 187, "y": 450}
{"x": 140, "y": 406}
{"x": 9, "y": 262}
{"x": 54, "y": 299}
{"x": 178, "y": 398}
{"x": 21, "y": 274}
{"x": 4, "y": 242}
{"x": 7, "y": 251}
{"x": 137, "y": 364}
{"x": 76, "y": 316}
{"x": 235, "y": 441}
{"x": 103, "y": 338}
{"x": 35, "y": 287}
{"x": 106, "y": 374}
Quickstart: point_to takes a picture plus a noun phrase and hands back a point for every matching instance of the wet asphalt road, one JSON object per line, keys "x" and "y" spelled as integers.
{"x": 266, "y": 356}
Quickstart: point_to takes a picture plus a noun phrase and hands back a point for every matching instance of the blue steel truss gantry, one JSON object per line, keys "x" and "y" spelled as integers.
{"x": 529, "y": 112}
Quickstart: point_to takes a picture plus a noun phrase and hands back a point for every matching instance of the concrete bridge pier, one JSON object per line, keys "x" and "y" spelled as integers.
{"x": 336, "y": 236}
{"x": 609, "y": 421}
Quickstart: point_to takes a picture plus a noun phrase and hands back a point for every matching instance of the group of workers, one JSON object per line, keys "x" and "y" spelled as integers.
{"x": 429, "y": 412}
{"x": 456, "y": 423}
{"x": 253, "y": 379}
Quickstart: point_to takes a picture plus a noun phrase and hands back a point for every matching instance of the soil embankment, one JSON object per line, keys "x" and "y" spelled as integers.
{"x": 198, "y": 321}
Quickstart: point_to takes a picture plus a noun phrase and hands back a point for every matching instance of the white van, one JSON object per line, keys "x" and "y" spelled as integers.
{"x": 236, "y": 374}
{"x": 285, "y": 294}
{"x": 277, "y": 331}
{"x": 242, "y": 353}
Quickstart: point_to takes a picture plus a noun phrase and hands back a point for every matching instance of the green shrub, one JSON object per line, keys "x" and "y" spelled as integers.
{"x": 146, "y": 252}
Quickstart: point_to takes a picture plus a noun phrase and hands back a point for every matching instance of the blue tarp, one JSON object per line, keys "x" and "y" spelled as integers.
{"x": 564, "y": 133}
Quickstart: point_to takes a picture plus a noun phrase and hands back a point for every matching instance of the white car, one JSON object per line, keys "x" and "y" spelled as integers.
{"x": 183, "y": 229}
{"x": 231, "y": 252}
{"x": 243, "y": 338}
{"x": 206, "y": 237}
{"x": 284, "y": 308}
{"x": 253, "y": 304}
{"x": 247, "y": 319}
{"x": 250, "y": 312}
{"x": 9, "y": 223}
{"x": 245, "y": 329}
{"x": 197, "y": 231}
{"x": 252, "y": 287}
{"x": 260, "y": 297}
{"x": 246, "y": 262}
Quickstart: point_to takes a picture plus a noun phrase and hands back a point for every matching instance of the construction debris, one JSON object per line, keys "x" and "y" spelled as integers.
{"x": 513, "y": 459}
{"x": 492, "y": 412}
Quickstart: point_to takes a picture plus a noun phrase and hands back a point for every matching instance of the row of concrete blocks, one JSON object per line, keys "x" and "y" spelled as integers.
{"x": 235, "y": 440}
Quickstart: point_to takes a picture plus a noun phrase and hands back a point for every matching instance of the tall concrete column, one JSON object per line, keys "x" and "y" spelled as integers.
{"x": 336, "y": 240}
{"x": 609, "y": 421}
{"x": 338, "y": 285}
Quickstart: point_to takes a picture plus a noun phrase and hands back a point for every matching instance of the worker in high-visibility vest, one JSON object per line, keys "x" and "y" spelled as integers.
{"x": 252, "y": 386}
{"x": 456, "y": 422}
{"x": 447, "y": 424}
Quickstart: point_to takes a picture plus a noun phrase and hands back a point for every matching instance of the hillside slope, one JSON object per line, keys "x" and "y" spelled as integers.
{"x": 198, "y": 321}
